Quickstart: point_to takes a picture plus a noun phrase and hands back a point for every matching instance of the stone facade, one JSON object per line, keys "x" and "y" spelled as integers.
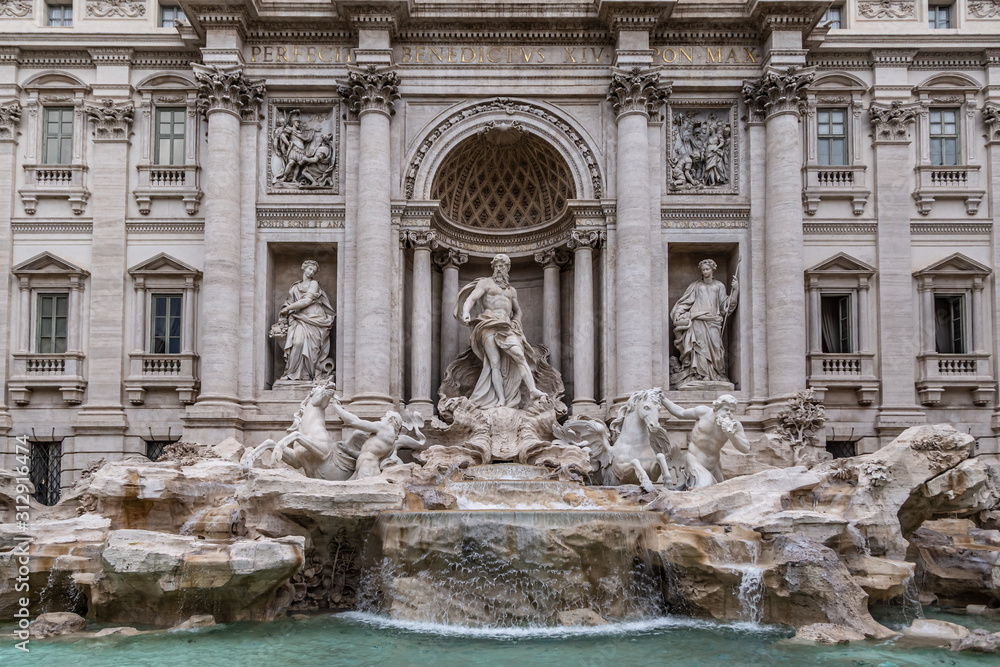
{"x": 164, "y": 185}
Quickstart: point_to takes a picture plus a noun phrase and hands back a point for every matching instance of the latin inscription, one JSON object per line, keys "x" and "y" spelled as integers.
{"x": 506, "y": 54}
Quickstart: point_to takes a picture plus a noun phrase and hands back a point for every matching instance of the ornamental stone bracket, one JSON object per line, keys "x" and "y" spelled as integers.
{"x": 637, "y": 91}
{"x": 891, "y": 124}
{"x": 112, "y": 122}
{"x": 370, "y": 89}
{"x": 10, "y": 117}
{"x": 227, "y": 89}
{"x": 776, "y": 93}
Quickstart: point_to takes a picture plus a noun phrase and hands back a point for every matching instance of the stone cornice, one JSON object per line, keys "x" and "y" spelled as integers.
{"x": 645, "y": 15}
{"x": 220, "y": 17}
{"x": 112, "y": 122}
{"x": 227, "y": 89}
{"x": 893, "y": 57}
{"x": 635, "y": 91}
{"x": 891, "y": 123}
{"x": 10, "y": 116}
{"x": 371, "y": 16}
{"x": 112, "y": 55}
{"x": 776, "y": 93}
{"x": 370, "y": 89}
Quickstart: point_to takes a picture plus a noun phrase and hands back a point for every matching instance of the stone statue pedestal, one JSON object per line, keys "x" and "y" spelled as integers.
{"x": 713, "y": 386}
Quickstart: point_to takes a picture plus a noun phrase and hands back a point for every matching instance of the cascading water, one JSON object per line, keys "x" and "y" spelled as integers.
{"x": 504, "y": 565}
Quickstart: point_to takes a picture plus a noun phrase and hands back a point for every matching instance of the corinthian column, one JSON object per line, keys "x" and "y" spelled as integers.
{"x": 897, "y": 351}
{"x": 226, "y": 97}
{"x": 10, "y": 116}
{"x": 551, "y": 262}
{"x": 630, "y": 94}
{"x": 777, "y": 97}
{"x": 582, "y": 244}
{"x": 449, "y": 260}
{"x": 420, "y": 326}
{"x": 370, "y": 94}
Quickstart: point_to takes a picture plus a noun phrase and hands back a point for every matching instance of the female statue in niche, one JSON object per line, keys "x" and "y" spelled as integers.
{"x": 698, "y": 318}
{"x": 304, "y": 321}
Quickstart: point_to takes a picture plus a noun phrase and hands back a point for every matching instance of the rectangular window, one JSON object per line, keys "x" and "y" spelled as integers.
{"x": 52, "y": 323}
{"x": 833, "y": 17}
{"x": 838, "y": 336}
{"x": 944, "y": 137}
{"x": 832, "y": 136}
{"x": 841, "y": 449}
{"x": 169, "y": 14}
{"x": 170, "y": 135}
{"x": 939, "y": 16}
{"x": 166, "y": 324}
{"x": 59, "y": 16}
{"x": 154, "y": 448}
{"x": 57, "y": 136}
{"x": 949, "y": 324}
{"x": 46, "y": 469}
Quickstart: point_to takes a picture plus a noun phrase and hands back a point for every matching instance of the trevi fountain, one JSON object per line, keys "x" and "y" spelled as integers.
{"x": 502, "y": 531}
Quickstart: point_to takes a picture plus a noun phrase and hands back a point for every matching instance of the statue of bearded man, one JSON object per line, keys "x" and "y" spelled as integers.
{"x": 489, "y": 305}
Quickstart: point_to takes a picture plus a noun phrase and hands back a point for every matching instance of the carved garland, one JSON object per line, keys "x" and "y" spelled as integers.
{"x": 116, "y": 8}
{"x": 111, "y": 122}
{"x": 887, "y": 9}
{"x": 227, "y": 89}
{"x": 636, "y": 91}
{"x": 510, "y": 107}
{"x": 370, "y": 89}
{"x": 776, "y": 93}
{"x": 10, "y": 116}
{"x": 891, "y": 123}
{"x": 984, "y": 9}
{"x": 17, "y": 9}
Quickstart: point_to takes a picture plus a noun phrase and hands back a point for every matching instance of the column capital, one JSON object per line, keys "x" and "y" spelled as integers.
{"x": 450, "y": 257}
{"x": 552, "y": 257}
{"x": 591, "y": 239}
{"x": 10, "y": 117}
{"x": 991, "y": 116}
{"x": 637, "y": 91}
{"x": 419, "y": 239}
{"x": 112, "y": 122}
{"x": 227, "y": 89}
{"x": 370, "y": 89}
{"x": 891, "y": 123}
{"x": 776, "y": 92}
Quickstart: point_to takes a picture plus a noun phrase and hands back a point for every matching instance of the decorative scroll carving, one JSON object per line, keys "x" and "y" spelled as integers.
{"x": 116, "y": 8}
{"x": 776, "y": 93}
{"x": 111, "y": 122}
{"x": 887, "y": 9}
{"x": 701, "y": 145}
{"x": 419, "y": 238}
{"x": 891, "y": 123}
{"x": 591, "y": 238}
{"x": 552, "y": 257}
{"x": 10, "y": 116}
{"x": 984, "y": 9}
{"x": 303, "y": 149}
{"x": 17, "y": 9}
{"x": 446, "y": 257}
{"x": 225, "y": 88}
{"x": 370, "y": 89}
{"x": 636, "y": 91}
{"x": 510, "y": 107}
{"x": 991, "y": 116}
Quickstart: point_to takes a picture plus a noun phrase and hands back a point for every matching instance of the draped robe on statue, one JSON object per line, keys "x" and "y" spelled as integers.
{"x": 507, "y": 333}
{"x": 307, "y": 343}
{"x": 697, "y": 318}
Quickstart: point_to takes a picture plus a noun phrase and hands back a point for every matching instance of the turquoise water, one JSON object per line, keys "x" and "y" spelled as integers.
{"x": 355, "y": 639}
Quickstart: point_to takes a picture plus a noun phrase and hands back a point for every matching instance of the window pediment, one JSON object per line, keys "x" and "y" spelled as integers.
{"x": 47, "y": 264}
{"x": 841, "y": 264}
{"x": 956, "y": 265}
{"x": 164, "y": 265}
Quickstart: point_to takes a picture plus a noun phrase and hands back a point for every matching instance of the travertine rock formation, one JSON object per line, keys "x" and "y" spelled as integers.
{"x": 957, "y": 562}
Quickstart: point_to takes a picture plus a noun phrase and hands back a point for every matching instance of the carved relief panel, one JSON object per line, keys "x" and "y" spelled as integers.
{"x": 702, "y": 148}
{"x": 303, "y": 146}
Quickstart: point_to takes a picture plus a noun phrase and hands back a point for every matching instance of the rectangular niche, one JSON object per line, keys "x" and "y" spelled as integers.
{"x": 303, "y": 146}
{"x": 285, "y": 268}
{"x": 682, "y": 271}
{"x": 702, "y": 147}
